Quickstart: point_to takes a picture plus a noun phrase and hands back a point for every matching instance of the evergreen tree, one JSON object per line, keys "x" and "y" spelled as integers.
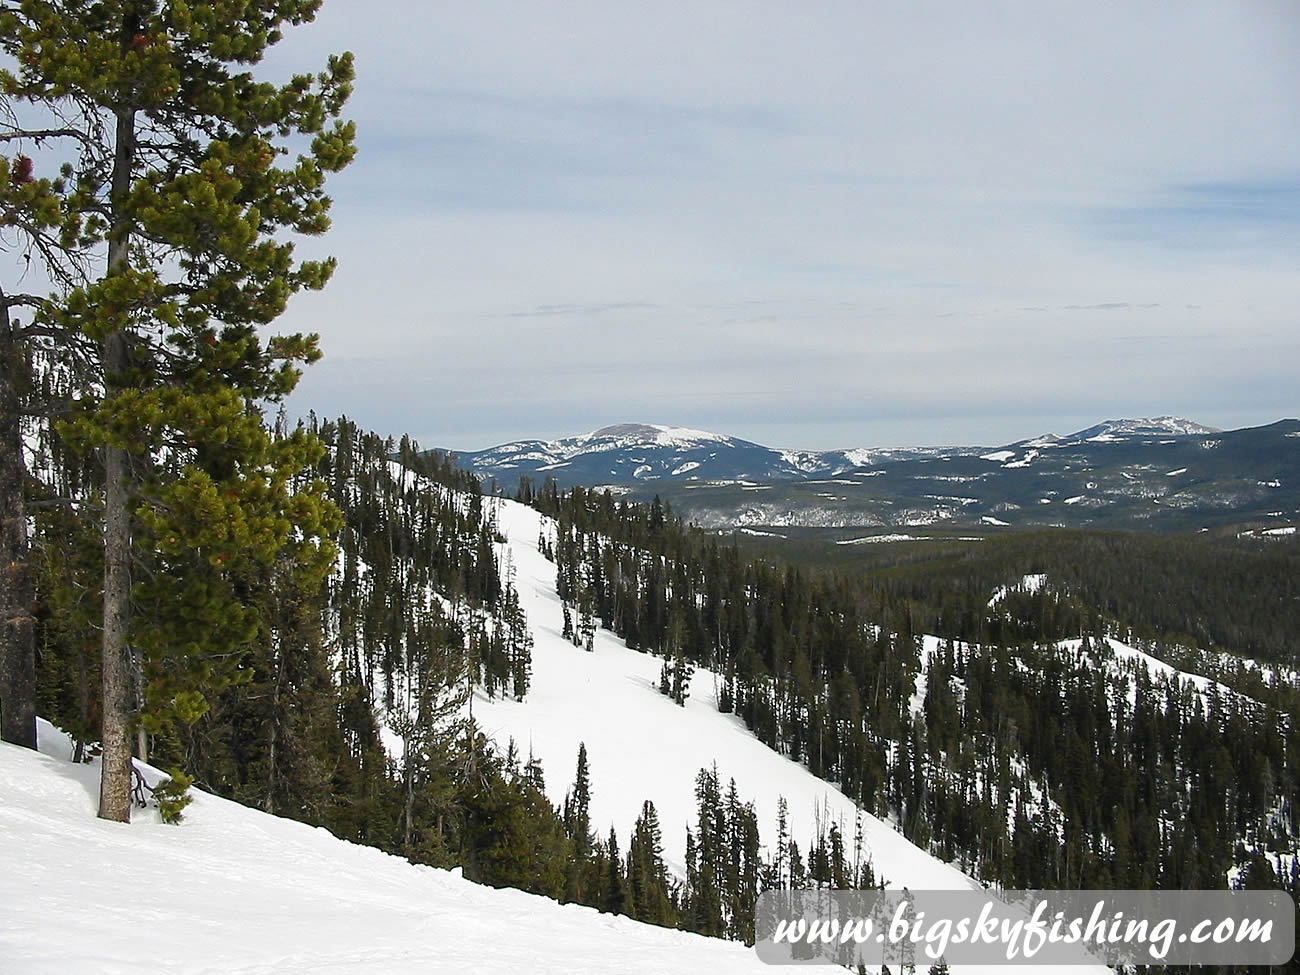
{"x": 174, "y": 167}
{"x": 647, "y": 876}
{"x": 614, "y": 899}
{"x": 577, "y": 826}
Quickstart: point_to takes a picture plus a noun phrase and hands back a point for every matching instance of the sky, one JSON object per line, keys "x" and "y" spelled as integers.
{"x": 812, "y": 225}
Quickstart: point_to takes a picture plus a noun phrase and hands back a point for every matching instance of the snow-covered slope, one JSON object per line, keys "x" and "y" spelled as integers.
{"x": 1167, "y": 426}
{"x": 641, "y": 745}
{"x": 233, "y": 890}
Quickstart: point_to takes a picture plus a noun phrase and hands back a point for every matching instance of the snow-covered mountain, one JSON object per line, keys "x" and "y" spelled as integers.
{"x": 1160, "y": 426}
{"x": 644, "y": 452}
{"x": 638, "y": 452}
{"x": 1164, "y": 473}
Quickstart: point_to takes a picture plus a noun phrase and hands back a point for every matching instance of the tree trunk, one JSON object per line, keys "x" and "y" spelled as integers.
{"x": 272, "y": 754}
{"x": 115, "y": 778}
{"x": 17, "y": 647}
{"x": 115, "y": 781}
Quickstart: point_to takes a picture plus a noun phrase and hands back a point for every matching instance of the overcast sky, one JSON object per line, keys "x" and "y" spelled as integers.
{"x": 814, "y": 224}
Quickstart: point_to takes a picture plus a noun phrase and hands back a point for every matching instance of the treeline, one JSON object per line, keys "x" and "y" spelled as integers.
{"x": 1217, "y": 592}
{"x": 1029, "y": 762}
{"x": 726, "y": 865}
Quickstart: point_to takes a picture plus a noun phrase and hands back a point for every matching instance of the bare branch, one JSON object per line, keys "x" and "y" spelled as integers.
{"x": 39, "y": 134}
{"x": 13, "y": 301}
{"x": 58, "y": 503}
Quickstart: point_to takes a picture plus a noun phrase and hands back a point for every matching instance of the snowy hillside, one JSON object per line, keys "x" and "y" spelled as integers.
{"x": 641, "y": 745}
{"x": 1167, "y": 426}
{"x": 235, "y": 890}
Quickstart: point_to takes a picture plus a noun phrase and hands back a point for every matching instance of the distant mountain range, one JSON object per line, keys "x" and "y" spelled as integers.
{"x": 1162, "y": 472}
{"x": 630, "y": 452}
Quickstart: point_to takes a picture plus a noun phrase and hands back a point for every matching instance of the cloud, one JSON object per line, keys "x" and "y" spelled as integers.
{"x": 781, "y": 218}
{"x": 574, "y": 310}
{"x": 1112, "y": 306}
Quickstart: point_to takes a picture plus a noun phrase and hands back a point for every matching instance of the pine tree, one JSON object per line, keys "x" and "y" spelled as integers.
{"x": 39, "y": 214}
{"x": 614, "y": 900}
{"x": 577, "y": 825}
{"x": 192, "y": 217}
{"x": 647, "y": 876}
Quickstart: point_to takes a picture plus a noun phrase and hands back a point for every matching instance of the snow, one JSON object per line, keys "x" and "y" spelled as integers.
{"x": 233, "y": 889}
{"x": 1290, "y": 530}
{"x": 802, "y": 460}
{"x": 873, "y": 539}
{"x": 555, "y": 454}
{"x": 1024, "y": 461}
{"x": 1111, "y": 430}
{"x": 1181, "y": 470}
{"x": 862, "y": 456}
{"x": 990, "y": 520}
{"x": 638, "y": 434}
{"x": 686, "y": 468}
{"x": 1028, "y": 584}
{"x": 640, "y": 745}
{"x": 1131, "y": 659}
{"x": 998, "y": 456}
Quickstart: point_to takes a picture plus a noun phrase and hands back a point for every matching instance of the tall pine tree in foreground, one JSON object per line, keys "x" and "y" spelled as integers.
{"x": 172, "y": 144}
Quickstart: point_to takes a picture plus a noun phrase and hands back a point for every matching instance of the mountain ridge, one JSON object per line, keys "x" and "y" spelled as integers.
{"x": 692, "y": 449}
{"x": 1162, "y": 473}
